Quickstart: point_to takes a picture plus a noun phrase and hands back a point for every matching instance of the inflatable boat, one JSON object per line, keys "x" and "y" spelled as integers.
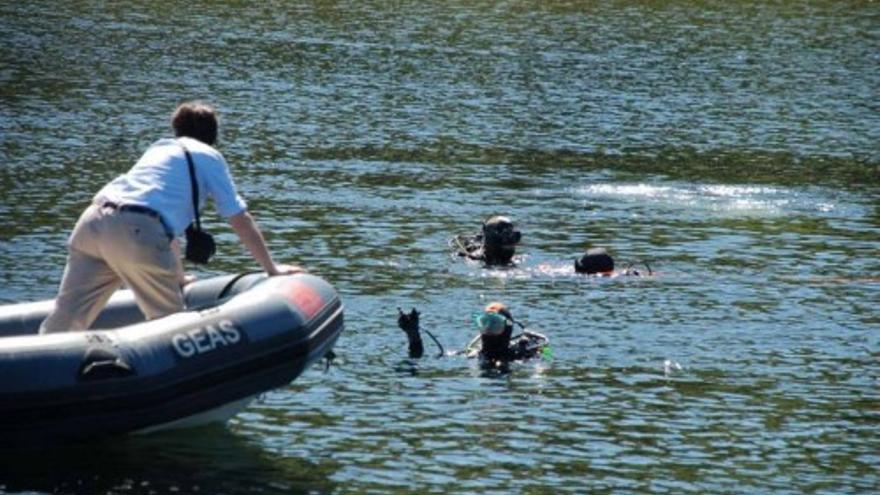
{"x": 240, "y": 336}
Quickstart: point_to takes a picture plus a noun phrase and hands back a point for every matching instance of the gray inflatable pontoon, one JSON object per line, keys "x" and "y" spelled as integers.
{"x": 243, "y": 335}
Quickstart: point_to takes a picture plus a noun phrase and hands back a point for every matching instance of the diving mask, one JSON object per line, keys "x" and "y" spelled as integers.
{"x": 490, "y": 323}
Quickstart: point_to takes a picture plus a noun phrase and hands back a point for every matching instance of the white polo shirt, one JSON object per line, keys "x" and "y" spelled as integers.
{"x": 160, "y": 180}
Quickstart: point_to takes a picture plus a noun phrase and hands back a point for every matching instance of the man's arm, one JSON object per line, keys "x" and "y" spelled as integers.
{"x": 244, "y": 225}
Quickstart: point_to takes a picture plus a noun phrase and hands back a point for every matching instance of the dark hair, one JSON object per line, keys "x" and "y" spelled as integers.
{"x": 196, "y": 120}
{"x": 597, "y": 260}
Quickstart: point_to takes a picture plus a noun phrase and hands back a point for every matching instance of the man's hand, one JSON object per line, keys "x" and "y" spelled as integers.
{"x": 288, "y": 270}
{"x": 409, "y": 323}
{"x": 187, "y": 279}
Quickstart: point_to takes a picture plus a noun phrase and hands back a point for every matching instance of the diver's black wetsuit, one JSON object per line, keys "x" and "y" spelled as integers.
{"x": 497, "y": 347}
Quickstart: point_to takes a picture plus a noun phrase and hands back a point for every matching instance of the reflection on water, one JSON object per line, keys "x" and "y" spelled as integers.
{"x": 210, "y": 460}
{"x": 725, "y": 200}
{"x": 733, "y": 147}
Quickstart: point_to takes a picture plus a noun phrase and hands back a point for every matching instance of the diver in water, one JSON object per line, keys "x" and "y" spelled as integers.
{"x": 495, "y": 345}
{"x": 597, "y": 261}
{"x": 494, "y": 245}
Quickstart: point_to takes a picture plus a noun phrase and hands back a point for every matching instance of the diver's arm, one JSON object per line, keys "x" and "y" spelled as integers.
{"x": 246, "y": 228}
{"x": 471, "y": 248}
{"x": 477, "y": 256}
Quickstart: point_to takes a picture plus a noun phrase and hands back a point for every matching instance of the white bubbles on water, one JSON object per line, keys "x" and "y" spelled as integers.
{"x": 670, "y": 367}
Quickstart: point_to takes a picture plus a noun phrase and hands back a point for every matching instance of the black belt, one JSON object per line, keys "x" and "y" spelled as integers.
{"x": 132, "y": 208}
{"x": 143, "y": 210}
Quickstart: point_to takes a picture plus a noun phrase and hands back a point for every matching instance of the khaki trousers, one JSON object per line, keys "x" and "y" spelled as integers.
{"x": 109, "y": 248}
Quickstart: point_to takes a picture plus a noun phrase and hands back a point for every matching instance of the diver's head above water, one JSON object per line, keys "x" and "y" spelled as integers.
{"x": 495, "y": 319}
{"x": 494, "y": 245}
{"x": 496, "y": 327}
{"x": 499, "y": 231}
{"x": 596, "y": 261}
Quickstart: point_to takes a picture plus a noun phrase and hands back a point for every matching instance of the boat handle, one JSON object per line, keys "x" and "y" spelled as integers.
{"x": 100, "y": 364}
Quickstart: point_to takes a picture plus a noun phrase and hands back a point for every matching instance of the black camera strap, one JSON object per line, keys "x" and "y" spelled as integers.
{"x": 194, "y": 184}
{"x": 200, "y": 245}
